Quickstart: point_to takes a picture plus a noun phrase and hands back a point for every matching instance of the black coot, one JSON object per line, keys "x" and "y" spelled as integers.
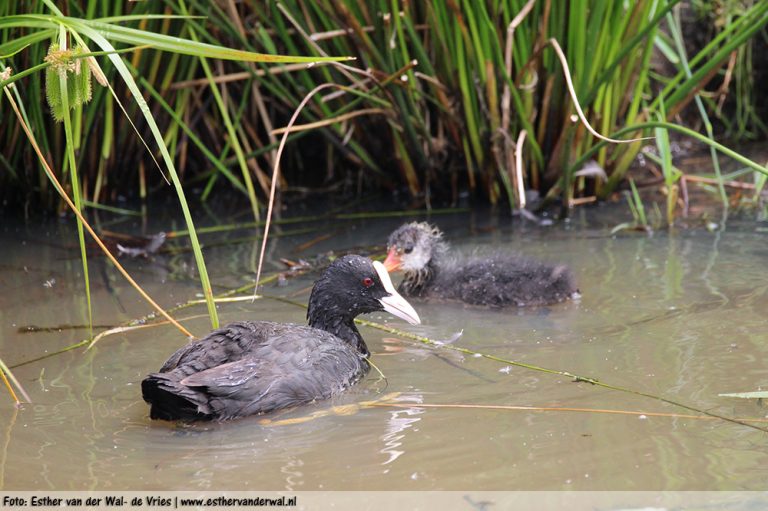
{"x": 496, "y": 280}
{"x": 255, "y": 367}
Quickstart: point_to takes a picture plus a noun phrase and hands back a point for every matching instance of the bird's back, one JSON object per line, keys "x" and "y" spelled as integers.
{"x": 251, "y": 367}
{"x": 500, "y": 280}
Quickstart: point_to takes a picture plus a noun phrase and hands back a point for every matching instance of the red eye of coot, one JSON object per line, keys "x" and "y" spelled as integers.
{"x": 367, "y": 281}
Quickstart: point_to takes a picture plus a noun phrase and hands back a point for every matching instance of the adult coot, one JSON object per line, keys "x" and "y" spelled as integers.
{"x": 495, "y": 280}
{"x": 253, "y": 367}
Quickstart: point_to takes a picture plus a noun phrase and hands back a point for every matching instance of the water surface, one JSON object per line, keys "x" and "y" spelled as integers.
{"x": 677, "y": 314}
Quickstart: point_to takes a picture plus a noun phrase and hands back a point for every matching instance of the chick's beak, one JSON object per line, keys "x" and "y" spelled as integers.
{"x": 393, "y": 261}
{"x": 393, "y": 302}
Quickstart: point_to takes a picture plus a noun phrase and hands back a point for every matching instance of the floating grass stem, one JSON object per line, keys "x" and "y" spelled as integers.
{"x": 234, "y": 139}
{"x": 575, "y": 377}
{"x": 467, "y": 406}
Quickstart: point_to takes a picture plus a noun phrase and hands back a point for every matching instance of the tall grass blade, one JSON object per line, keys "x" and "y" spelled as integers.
{"x": 145, "y": 110}
{"x": 670, "y": 173}
{"x": 673, "y": 22}
{"x": 234, "y": 139}
{"x": 66, "y": 80}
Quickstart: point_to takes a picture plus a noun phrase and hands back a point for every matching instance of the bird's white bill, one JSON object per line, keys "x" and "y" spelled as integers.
{"x": 394, "y": 303}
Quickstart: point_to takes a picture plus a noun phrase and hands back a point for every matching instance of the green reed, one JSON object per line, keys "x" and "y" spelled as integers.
{"x": 470, "y": 77}
{"x": 69, "y": 66}
{"x": 450, "y": 86}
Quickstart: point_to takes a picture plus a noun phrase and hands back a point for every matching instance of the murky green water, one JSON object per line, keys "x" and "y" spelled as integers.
{"x": 679, "y": 315}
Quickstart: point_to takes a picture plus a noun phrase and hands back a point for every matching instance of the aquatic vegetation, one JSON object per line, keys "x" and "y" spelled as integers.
{"x": 450, "y": 91}
{"x": 471, "y": 76}
{"x": 736, "y": 100}
{"x": 68, "y": 88}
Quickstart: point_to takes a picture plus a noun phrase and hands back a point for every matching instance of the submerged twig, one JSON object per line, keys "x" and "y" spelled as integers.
{"x": 34, "y": 329}
{"x": 715, "y": 181}
{"x": 53, "y": 353}
{"x": 325, "y": 412}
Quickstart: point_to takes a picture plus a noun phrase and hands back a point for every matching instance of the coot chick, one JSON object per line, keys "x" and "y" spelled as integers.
{"x": 254, "y": 367}
{"x": 496, "y": 280}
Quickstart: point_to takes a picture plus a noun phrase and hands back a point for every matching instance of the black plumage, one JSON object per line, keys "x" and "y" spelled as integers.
{"x": 253, "y": 367}
{"x": 492, "y": 280}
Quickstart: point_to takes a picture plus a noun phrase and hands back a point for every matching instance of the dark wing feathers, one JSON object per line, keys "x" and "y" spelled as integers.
{"x": 227, "y": 343}
{"x": 225, "y": 375}
{"x": 253, "y": 367}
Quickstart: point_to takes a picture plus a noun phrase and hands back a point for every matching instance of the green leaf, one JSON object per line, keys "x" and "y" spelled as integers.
{"x": 12, "y": 47}
{"x": 184, "y": 46}
{"x": 666, "y": 50}
{"x": 114, "y": 32}
{"x": 125, "y": 74}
